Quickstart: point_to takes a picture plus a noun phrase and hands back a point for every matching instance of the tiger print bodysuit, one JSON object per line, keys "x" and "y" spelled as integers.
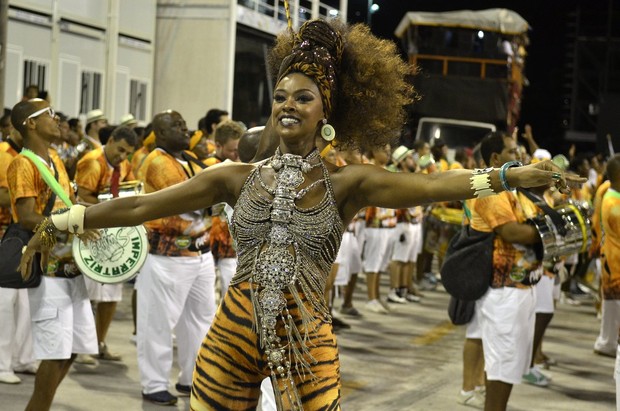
{"x": 274, "y": 321}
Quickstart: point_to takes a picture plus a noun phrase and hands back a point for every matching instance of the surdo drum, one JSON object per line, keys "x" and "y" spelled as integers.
{"x": 576, "y": 221}
{"x": 120, "y": 252}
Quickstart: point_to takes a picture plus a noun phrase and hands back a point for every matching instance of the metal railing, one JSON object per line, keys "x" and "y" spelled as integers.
{"x": 301, "y": 10}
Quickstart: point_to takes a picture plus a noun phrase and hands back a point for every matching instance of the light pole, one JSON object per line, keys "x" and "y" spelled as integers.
{"x": 372, "y": 8}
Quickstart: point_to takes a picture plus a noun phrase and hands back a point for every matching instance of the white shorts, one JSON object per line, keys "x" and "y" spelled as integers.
{"x": 473, "y": 330}
{"x": 62, "y": 319}
{"x": 349, "y": 259}
{"x": 375, "y": 248}
{"x": 104, "y": 293}
{"x": 507, "y": 320}
{"x": 407, "y": 251}
{"x": 544, "y": 295}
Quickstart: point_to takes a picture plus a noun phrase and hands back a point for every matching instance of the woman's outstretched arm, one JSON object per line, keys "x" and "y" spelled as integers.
{"x": 220, "y": 183}
{"x": 381, "y": 188}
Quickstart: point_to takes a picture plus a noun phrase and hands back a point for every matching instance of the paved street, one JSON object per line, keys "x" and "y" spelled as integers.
{"x": 408, "y": 360}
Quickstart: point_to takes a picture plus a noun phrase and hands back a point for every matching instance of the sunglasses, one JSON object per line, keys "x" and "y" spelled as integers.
{"x": 36, "y": 114}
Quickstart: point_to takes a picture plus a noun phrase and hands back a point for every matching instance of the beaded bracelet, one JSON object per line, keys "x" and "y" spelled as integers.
{"x": 502, "y": 174}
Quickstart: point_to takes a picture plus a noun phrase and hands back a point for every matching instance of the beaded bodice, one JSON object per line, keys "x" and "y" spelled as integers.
{"x": 316, "y": 233}
{"x": 285, "y": 250}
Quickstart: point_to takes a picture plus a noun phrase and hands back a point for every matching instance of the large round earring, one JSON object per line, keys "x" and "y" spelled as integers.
{"x": 327, "y": 132}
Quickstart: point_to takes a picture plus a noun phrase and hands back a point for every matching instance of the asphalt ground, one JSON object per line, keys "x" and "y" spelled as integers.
{"x": 409, "y": 359}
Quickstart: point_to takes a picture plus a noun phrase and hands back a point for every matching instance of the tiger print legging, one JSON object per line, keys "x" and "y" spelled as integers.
{"x": 231, "y": 365}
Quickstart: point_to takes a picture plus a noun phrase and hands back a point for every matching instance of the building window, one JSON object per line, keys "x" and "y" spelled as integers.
{"x": 90, "y": 96}
{"x": 35, "y": 74}
{"x": 137, "y": 99}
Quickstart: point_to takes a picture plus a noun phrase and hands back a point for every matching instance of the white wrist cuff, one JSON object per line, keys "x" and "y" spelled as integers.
{"x": 76, "y": 219}
{"x": 61, "y": 220}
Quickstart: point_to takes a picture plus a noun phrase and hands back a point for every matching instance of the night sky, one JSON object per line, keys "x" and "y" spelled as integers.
{"x": 542, "y": 104}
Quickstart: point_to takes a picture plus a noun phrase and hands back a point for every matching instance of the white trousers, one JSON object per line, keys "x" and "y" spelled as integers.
{"x": 607, "y": 340}
{"x": 227, "y": 268}
{"x": 16, "y": 335}
{"x": 174, "y": 293}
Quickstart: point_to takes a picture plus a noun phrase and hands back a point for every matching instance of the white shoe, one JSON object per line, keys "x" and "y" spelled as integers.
{"x": 85, "y": 359}
{"x": 471, "y": 399}
{"x": 412, "y": 298}
{"x": 9, "y": 378}
{"x": 393, "y": 297}
{"x": 27, "y": 369}
{"x": 376, "y": 307}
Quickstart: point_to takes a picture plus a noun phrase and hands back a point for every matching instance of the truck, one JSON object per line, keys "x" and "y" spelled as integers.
{"x": 469, "y": 72}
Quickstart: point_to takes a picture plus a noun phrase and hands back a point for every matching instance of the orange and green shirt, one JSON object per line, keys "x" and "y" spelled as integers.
{"x": 174, "y": 235}
{"x": 7, "y": 153}
{"x": 25, "y": 181}
{"x": 610, "y": 248}
{"x": 94, "y": 173}
{"x": 512, "y": 263}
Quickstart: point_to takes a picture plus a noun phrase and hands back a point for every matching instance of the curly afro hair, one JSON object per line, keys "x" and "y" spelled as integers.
{"x": 372, "y": 88}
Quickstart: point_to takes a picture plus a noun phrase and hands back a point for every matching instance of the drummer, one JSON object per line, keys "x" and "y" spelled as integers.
{"x": 62, "y": 319}
{"x": 103, "y": 170}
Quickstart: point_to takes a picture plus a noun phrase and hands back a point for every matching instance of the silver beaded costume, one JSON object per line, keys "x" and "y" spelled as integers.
{"x": 283, "y": 248}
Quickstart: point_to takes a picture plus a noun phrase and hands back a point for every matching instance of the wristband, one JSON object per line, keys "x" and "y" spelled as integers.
{"x": 481, "y": 182}
{"x": 76, "y": 219}
{"x": 502, "y": 174}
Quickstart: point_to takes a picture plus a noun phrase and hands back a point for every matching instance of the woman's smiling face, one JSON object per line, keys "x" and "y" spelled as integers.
{"x": 297, "y": 108}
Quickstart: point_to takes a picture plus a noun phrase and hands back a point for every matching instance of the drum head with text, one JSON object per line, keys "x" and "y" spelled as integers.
{"x": 117, "y": 256}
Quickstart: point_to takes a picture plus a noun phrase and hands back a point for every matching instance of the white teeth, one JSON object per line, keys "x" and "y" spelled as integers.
{"x": 287, "y": 121}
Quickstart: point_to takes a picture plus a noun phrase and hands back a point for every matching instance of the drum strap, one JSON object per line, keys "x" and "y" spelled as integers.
{"x": 542, "y": 204}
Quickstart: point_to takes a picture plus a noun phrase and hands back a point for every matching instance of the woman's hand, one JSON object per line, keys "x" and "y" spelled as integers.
{"x": 543, "y": 173}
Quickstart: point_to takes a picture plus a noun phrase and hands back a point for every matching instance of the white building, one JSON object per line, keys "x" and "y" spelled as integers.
{"x": 144, "y": 56}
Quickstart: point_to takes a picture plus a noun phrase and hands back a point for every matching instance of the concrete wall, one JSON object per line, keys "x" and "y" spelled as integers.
{"x": 194, "y": 62}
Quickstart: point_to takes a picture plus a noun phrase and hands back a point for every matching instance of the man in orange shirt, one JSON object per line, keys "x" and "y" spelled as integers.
{"x": 104, "y": 168}
{"x": 176, "y": 285}
{"x": 227, "y": 135}
{"x": 62, "y": 319}
{"x": 506, "y": 311}
{"x": 16, "y": 338}
{"x": 607, "y": 340}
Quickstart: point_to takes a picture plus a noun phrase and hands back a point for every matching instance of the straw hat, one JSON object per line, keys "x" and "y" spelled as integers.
{"x": 400, "y": 154}
{"x": 95, "y": 115}
{"x": 128, "y": 120}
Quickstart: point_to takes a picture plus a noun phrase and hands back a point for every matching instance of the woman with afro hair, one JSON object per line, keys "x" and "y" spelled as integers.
{"x": 331, "y": 80}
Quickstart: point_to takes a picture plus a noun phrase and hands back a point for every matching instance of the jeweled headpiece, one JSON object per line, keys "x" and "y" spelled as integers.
{"x": 316, "y": 53}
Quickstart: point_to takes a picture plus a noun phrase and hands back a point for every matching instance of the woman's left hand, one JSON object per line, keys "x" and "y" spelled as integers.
{"x": 543, "y": 173}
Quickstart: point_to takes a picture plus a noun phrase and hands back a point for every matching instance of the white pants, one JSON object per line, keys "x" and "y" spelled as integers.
{"x": 16, "y": 335}
{"x": 104, "y": 293}
{"x": 174, "y": 293}
{"x": 268, "y": 398}
{"x": 227, "y": 268}
{"x": 375, "y": 248}
{"x": 349, "y": 259}
{"x": 617, "y": 378}
{"x": 507, "y": 320}
{"x": 607, "y": 340}
{"x": 62, "y": 319}
{"x": 544, "y": 295}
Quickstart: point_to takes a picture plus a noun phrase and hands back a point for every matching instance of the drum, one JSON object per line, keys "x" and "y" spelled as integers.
{"x": 553, "y": 245}
{"x": 125, "y": 189}
{"x": 117, "y": 256}
{"x": 120, "y": 252}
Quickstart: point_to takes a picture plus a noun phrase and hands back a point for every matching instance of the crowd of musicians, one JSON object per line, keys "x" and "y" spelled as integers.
{"x": 195, "y": 251}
